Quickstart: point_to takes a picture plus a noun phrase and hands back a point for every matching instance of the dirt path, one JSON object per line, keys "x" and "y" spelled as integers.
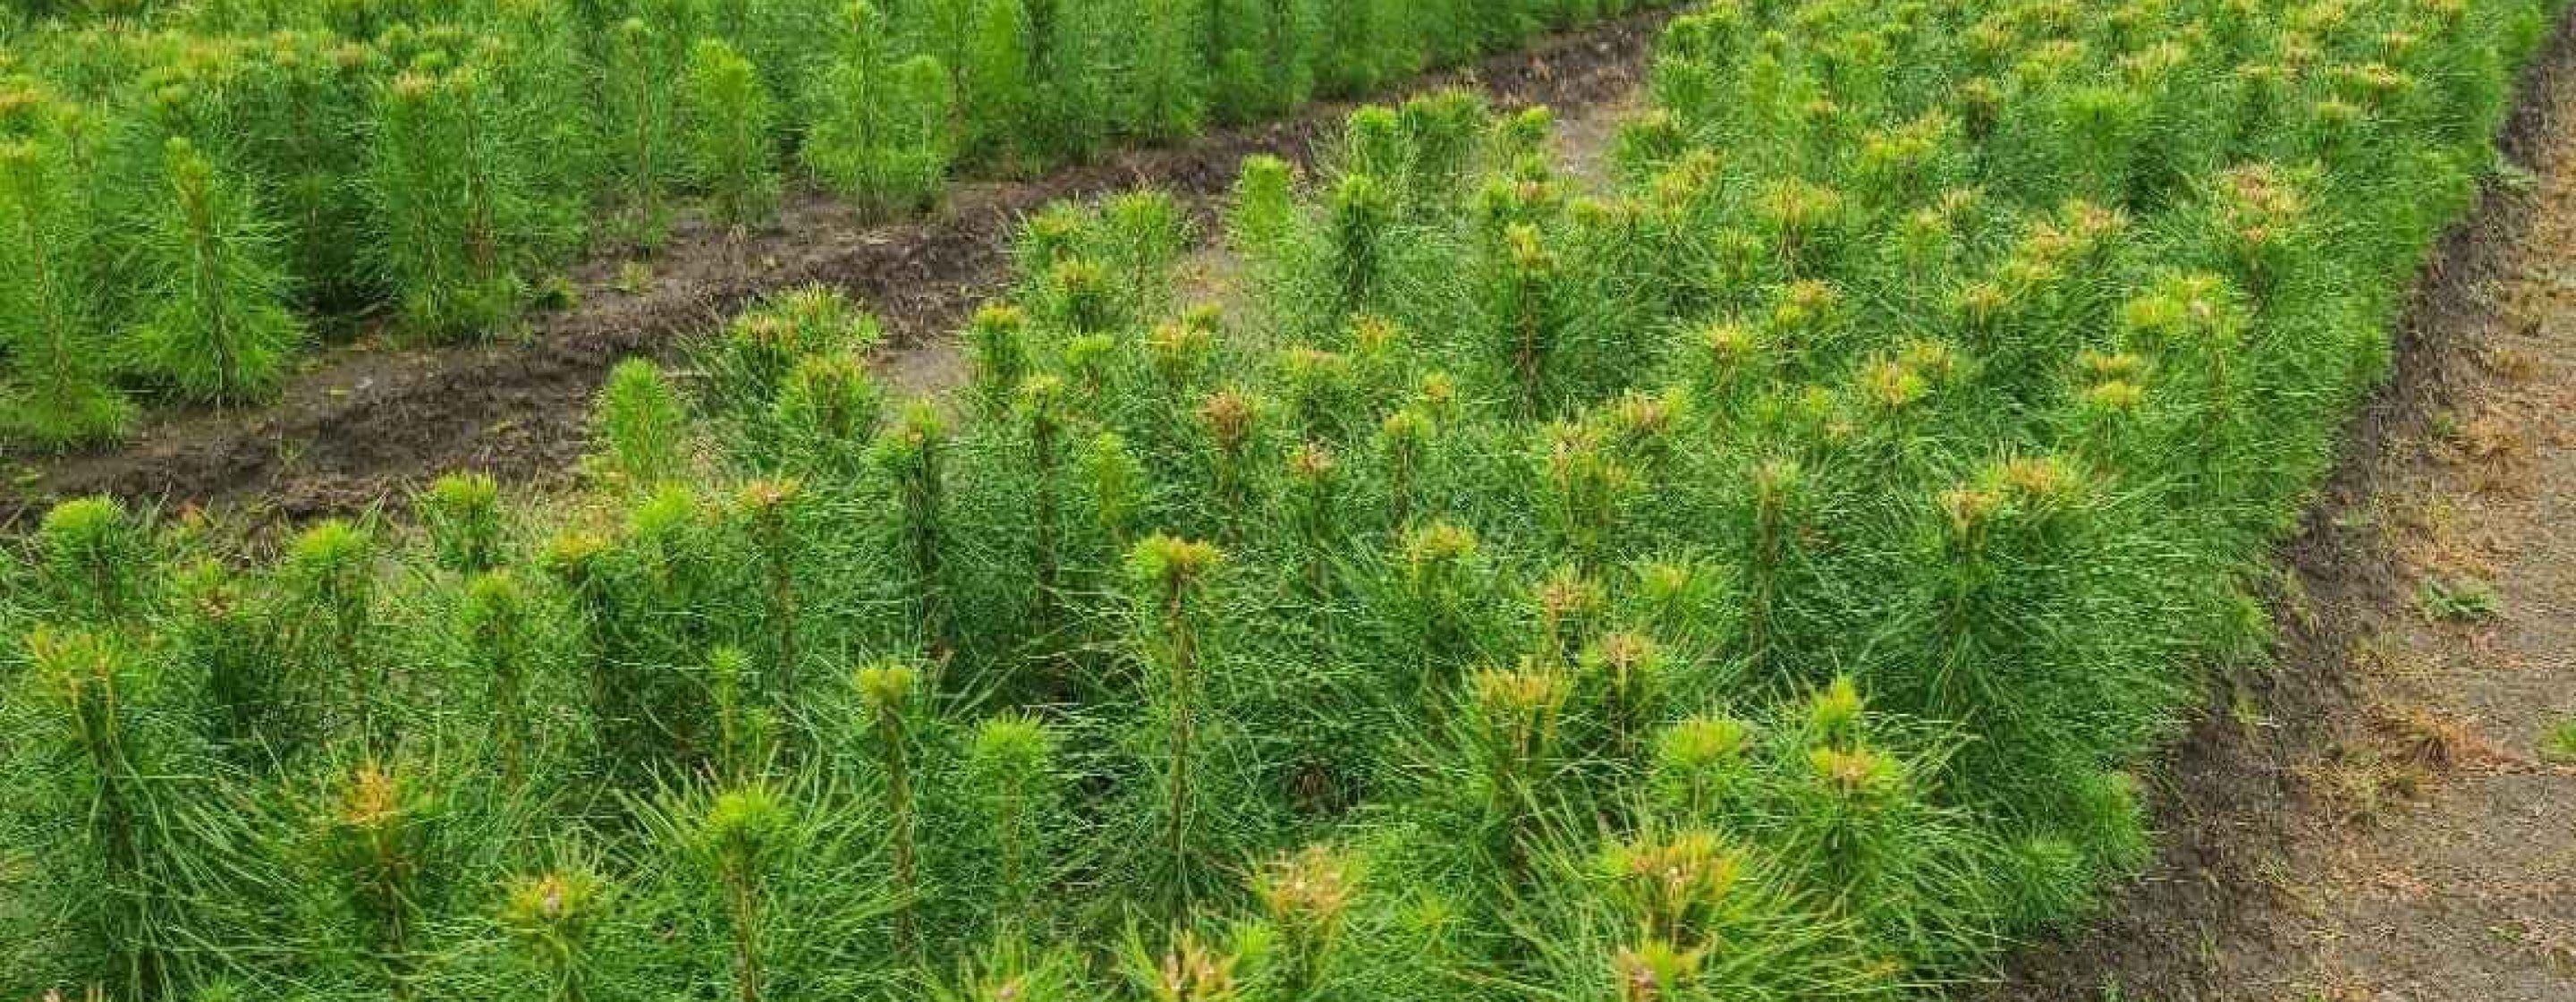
{"x": 365, "y": 421}
{"x": 2380, "y": 818}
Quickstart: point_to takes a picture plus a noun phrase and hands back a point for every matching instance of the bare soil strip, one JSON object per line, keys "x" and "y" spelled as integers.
{"x": 2378, "y": 817}
{"x": 367, "y": 421}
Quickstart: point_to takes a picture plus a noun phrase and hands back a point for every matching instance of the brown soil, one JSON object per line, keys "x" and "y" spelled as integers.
{"x": 2375, "y": 818}
{"x": 366, "y": 422}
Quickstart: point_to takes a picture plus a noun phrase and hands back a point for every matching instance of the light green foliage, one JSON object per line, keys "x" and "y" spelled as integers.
{"x": 442, "y": 164}
{"x": 638, "y": 128}
{"x": 732, "y": 154}
{"x": 217, "y": 329}
{"x": 452, "y": 210}
{"x": 643, "y": 431}
{"x": 95, "y": 560}
{"x": 1752, "y": 573}
{"x": 58, "y": 394}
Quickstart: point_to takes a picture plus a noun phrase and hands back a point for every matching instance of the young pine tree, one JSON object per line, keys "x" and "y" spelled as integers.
{"x": 638, "y": 126}
{"x": 216, "y": 328}
{"x": 729, "y": 123}
{"x": 883, "y": 137}
{"x": 451, "y": 209}
{"x": 58, "y": 394}
{"x": 1167, "y": 86}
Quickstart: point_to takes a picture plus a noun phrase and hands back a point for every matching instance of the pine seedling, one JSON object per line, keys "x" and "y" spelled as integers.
{"x": 825, "y": 416}
{"x": 664, "y": 573}
{"x": 498, "y": 620}
{"x": 1799, "y": 216}
{"x": 997, "y": 343}
{"x": 1314, "y": 482}
{"x": 2103, "y": 125}
{"x": 1674, "y": 887}
{"x": 912, "y": 455}
{"x": 1261, "y": 214}
{"x": 1192, "y": 970}
{"x": 1644, "y": 429}
{"x": 1373, "y": 143}
{"x": 745, "y": 730}
{"x": 1655, "y": 970}
{"x": 2196, "y": 321}
{"x": 1143, "y": 235}
{"x": 642, "y": 427}
{"x": 578, "y": 562}
{"x": 884, "y": 138}
{"x": 1360, "y": 215}
{"x": 1168, "y": 83}
{"x": 1183, "y": 352}
{"x": 451, "y": 208}
{"x": 1356, "y": 52}
{"x": 1118, "y": 487}
{"x": 95, "y": 561}
{"x": 1319, "y": 389}
{"x": 1512, "y": 724}
{"x": 742, "y": 838}
{"x": 1008, "y": 970}
{"x": 1627, "y": 678}
{"x": 1307, "y": 898}
{"x": 88, "y": 683}
{"x": 1057, "y": 232}
{"x": 373, "y": 846}
{"x": 1168, "y": 578}
{"x": 750, "y": 363}
{"x": 1079, "y": 295}
{"x": 1010, "y": 767}
{"x": 1528, "y": 305}
{"x": 889, "y": 691}
{"x": 1774, "y": 518}
{"x": 1438, "y": 568}
{"x": 552, "y": 920}
{"x": 216, "y": 328}
{"x": 1042, "y": 411}
{"x": 1587, "y": 484}
{"x": 1859, "y": 826}
{"x": 1231, "y": 419}
{"x": 1404, "y": 443}
{"x": 999, "y": 60}
{"x": 1701, "y": 765}
{"x": 1287, "y": 57}
{"x": 227, "y": 641}
{"x": 1572, "y": 604}
{"x": 729, "y": 123}
{"x": 330, "y": 575}
{"x": 462, "y": 512}
{"x": 1382, "y": 355}
{"x": 639, "y": 122}
{"x": 772, "y": 508}
{"x": 2263, "y": 223}
{"x": 58, "y": 390}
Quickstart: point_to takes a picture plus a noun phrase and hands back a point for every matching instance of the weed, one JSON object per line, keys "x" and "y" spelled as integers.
{"x": 2463, "y": 600}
